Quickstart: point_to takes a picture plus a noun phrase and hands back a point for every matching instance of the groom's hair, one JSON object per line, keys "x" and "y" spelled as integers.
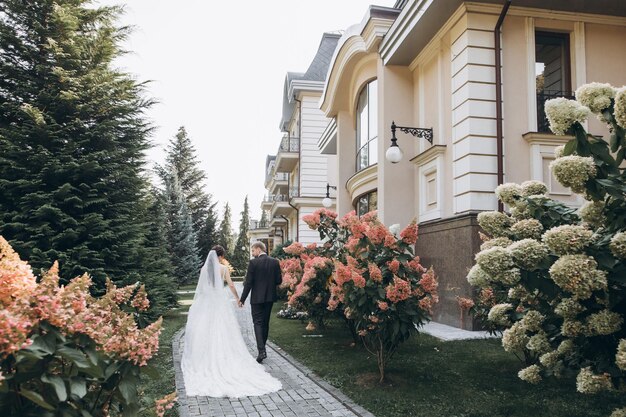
{"x": 259, "y": 245}
{"x": 219, "y": 251}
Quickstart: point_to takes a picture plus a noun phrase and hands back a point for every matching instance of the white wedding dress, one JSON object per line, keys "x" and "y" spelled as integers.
{"x": 216, "y": 361}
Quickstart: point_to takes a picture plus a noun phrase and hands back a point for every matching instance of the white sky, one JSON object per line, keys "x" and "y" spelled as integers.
{"x": 218, "y": 68}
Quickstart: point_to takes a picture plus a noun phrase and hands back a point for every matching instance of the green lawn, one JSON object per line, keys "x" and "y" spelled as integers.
{"x": 163, "y": 362}
{"x": 431, "y": 378}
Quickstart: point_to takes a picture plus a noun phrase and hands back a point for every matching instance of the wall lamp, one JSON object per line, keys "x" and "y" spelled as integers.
{"x": 327, "y": 202}
{"x": 394, "y": 153}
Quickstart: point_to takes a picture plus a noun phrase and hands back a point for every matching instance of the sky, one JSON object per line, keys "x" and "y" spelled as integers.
{"x": 218, "y": 68}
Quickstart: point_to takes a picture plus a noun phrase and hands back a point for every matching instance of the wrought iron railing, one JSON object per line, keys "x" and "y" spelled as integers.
{"x": 294, "y": 191}
{"x": 542, "y": 96}
{"x": 281, "y": 176}
{"x": 288, "y": 144}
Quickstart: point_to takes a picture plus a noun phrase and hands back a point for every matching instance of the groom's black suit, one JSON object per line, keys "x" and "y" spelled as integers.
{"x": 263, "y": 277}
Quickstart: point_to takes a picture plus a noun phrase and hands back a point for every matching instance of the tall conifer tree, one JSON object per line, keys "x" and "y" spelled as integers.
{"x": 225, "y": 234}
{"x": 72, "y": 140}
{"x": 182, "y": 238}
{"x": 241, "y": 252}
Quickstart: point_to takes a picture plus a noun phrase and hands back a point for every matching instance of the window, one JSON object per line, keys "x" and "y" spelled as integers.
{"x": 552, "y": 71}
{"x": 367, "y": 126}
{"x": 366, "y": 203}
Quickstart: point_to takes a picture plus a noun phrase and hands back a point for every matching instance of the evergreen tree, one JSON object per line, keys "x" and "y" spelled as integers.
{"x": 241, "y": 252}
{"x": 225, "y": 234}
{"x": 158, "y": 269}
{"x": 264, "y": 220}
{"x": 208, "y": 235}
{"x": 182, "y": 238}
{"x": 181, "y": 156}
{"x": 72, "y": 140}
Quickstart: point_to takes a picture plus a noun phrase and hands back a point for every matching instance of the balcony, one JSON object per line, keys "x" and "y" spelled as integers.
{"x": 288, "y": 154}
{"x": 543, "y": 126}
{"x": 277, "y": 222}
{"x": 257, "y": 224}
{"x": 280, "y": 205}
{"x": 278, "y": 182}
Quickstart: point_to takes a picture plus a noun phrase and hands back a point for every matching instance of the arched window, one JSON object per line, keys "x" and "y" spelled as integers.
{"x": 366, "y": 203}
{"x": 367, "y": 126}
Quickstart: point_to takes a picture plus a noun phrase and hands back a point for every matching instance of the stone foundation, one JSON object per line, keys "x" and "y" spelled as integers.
{"x": 449, "y": 246}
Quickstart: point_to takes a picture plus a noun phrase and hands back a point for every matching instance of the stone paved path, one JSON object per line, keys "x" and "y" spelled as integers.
{"x": 303, "y": 394}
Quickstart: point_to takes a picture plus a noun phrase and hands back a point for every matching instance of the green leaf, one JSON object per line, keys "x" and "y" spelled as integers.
{"x": 570, "y": 147}
{"x": 36, "y": 398}
{"x": 85, "y": 413}
{"x": 58, "y": 384}
{"x": 76, "y": 356}
{"x": 43, "y": 343}
{"x": 130, "y": 410}
{"x": 78, "y": 386}
{"x": 128, "y": 388}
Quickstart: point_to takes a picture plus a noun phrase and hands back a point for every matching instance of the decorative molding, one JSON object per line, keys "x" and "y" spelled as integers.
{"x": 296, "y": 86}
{"x": 529, "y": 25}
{"x": 429, "y": 155}
{"x": 328, "y": 136}
{"x": 432, "y": 47}
{"x": 535, "y": 138}
{"x": 547, "y": 14}
{"x": 580, "y": 59}
{"x": 404, "y": 23}
{"x": 362, "y": 182}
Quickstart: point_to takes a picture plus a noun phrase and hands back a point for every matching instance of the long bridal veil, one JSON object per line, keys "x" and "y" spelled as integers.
{"x": 216, "y": 361}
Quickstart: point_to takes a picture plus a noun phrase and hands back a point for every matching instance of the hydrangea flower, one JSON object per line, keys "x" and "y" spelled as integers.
{"x": 558, "y": 151}
{"x": 574, "y": 171}
{"x": 495, "y": 261}
{"x": 563, "y": 113}
{"x": 509, "y": 193}
{"x": 539, "y": 343}
{"x": 572, "y": 328}
{"x": 533, "y": 187}
{"x": 620, "y": 356}
{"x": 618, "y": 245}
{"x": 509, "y": 277}
{"x": 514, "y": 338}
{"x": 620, "y": 107}
{"x": 527, "y": 229}
{"x": 604, "y": 323}
{"x": 569, "y": 308}
{"x": 517, "y": 293}
{"x": 502, "y": 242}
{"x": 499, "y": 314}
{"x": 620, "y": 412}
{"x": 592, "y": 213}
{"x": 595, "y": 96}
{"x": 549, "y": 359}
{"x": 495, "y": 223}
{"x": 532, "y": 321}
{"x": 589, "y": 383}
{"x": 528, "y": 253}
{"x": 531, "y": 374}
{"x": 565, "y": 347}
{"x": 567, "y": 239}
{"x": 477, "y": 277}
{"x": 578, "y": 274}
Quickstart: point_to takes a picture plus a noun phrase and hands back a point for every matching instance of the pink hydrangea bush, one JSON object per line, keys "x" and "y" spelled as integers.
{"x": 60, "y": 347}
{"x": 373, "y": 279}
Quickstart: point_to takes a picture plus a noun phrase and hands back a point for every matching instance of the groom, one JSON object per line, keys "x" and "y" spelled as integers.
{"x": 262, "y": 278}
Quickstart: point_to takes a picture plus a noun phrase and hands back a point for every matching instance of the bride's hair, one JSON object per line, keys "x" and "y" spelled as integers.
{"x": 219, "y": 251}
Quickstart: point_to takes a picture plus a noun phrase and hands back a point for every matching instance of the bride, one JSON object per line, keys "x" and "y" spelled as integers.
{"x": 216, "y": 361}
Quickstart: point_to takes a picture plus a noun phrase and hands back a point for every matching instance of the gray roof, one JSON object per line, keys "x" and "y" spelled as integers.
{"x": 316, "y": 72}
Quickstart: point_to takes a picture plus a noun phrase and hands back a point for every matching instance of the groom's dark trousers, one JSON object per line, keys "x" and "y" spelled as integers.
{"x": 262, "y": 278}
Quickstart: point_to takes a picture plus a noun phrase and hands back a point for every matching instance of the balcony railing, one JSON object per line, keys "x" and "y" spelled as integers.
{"x": 289, "y": 145}
{"x": 294, "y": 191}
{"x": 542, "y": 96}
{"x": 275, "y": 197}
{"x": 257, "y": 224}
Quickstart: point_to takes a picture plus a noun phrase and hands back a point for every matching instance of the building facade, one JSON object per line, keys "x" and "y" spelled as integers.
{"x": 296, "y": 177}
{"x": 432, "y": 64}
